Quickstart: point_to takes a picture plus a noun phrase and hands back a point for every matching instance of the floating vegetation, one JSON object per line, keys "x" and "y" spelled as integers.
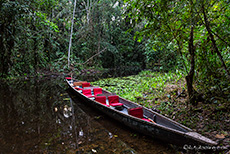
{"x": 146, "y": 88}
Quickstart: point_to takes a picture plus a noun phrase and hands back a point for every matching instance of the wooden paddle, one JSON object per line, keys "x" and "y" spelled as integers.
{"x": 152, "y": 121}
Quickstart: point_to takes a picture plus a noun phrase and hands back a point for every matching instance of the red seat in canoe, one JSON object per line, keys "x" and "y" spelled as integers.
{"x": 87, "y": 92}
{"x": 137, "y": 112}
{"x": 97, "y": 91}
{"x": 114, "y": 101}
{"x": 68, "y": 78}
{"x": 85, "y": 84}
{"x": 101, "y": 99}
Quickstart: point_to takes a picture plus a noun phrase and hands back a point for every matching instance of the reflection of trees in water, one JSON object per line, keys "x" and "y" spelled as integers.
{"x": 35, "y": 118}
{"x": 93, "y": 137}
{"x": 7, "y": 108}
{"x": 26, "y": 114}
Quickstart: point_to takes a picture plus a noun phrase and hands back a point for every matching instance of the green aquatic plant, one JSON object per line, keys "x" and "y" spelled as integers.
{"x": 144, "y": 88}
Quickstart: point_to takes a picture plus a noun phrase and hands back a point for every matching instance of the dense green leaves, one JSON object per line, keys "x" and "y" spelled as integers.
{"x": 118, "y": 35}
{"x": 39, "y": 37}
{"x": 44, "y": 21}
{"x": 168, "y": 23}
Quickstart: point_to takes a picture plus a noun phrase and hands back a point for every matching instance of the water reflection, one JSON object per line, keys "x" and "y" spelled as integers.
{"x": 38, "y": 116}
{"x": 89, "y": 135}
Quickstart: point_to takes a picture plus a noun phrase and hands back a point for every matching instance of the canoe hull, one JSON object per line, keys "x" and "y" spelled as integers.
{"x": 159, "y": 132}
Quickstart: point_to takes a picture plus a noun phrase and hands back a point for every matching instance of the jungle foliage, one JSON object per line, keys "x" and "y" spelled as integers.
{"x": 35, "y": 36}
{"x": 132, "y": 35}
{"x": 197, "y": 30}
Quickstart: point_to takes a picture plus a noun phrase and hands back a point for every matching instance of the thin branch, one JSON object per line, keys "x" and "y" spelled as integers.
{"x": 220, "y": 38}
{"x": 93, "y": 56}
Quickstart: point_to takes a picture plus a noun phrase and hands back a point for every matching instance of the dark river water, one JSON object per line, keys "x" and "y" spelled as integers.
{"x": 41, "y": 116}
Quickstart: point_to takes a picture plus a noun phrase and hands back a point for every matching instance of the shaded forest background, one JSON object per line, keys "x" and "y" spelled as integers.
{"x": 191, "y": 36}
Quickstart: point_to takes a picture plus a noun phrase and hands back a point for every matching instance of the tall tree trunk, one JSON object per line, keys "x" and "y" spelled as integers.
{"x": 3, "y": 69}
{"x": 47, "y": 48}
{"x": 191, "y": 48}
{"x": 71, "y": 33}
{"x": 189, "y": 77}
{"x": 35, "y": 51}
{"x": 35, "y": 56}
{"x": 6, "y": 45}
{"x": 207, "y": 25}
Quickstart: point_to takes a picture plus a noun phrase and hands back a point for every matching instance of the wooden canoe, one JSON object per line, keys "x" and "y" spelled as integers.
{"x": 158, "y": 126}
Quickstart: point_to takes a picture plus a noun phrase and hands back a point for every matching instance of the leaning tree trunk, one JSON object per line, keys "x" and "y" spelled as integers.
{"x": 207, "y": 25}
{"x": 189, "y": 77}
